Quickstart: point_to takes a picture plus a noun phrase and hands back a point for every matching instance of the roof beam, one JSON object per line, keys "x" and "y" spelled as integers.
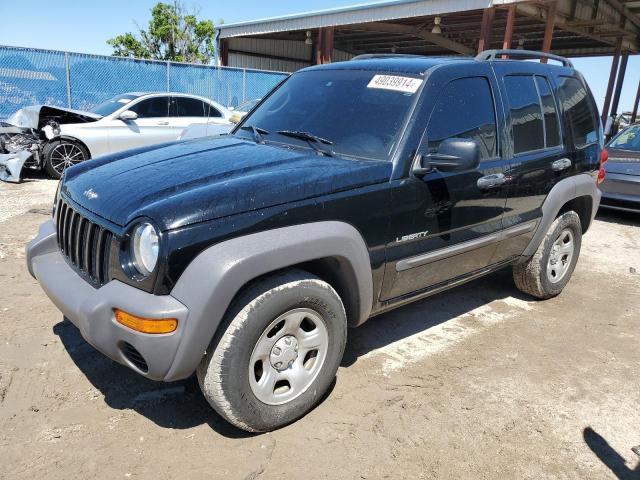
{"x": 625, "y": 12}
{"x": 440, "y": 40}
{"x": 534, "y": 11}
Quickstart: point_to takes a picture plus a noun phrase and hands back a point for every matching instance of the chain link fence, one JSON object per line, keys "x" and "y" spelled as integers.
{"x": 75, "y": 80}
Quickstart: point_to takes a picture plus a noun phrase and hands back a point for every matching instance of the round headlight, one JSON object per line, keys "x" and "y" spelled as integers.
{"x": 145, "y": 248}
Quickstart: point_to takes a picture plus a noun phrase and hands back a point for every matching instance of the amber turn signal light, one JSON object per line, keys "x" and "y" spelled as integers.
{"x": 145, "y": 325}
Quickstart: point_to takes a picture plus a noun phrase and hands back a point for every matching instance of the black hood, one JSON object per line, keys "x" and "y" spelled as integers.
{"x": 204, "y": 179}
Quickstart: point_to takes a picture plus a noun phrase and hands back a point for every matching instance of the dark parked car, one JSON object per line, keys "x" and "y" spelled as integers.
{"x": 621, "y": 187}
{"x": 352, "y": 189}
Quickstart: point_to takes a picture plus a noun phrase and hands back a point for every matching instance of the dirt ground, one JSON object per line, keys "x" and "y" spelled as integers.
{"x": 477, "y": 383}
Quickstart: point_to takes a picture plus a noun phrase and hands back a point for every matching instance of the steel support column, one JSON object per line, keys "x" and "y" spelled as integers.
{"x": 548, "y": 29}
{"x": 485, "y": 29}
{"x": 634, "y": 114}
{"x": 616, "y": 94}
{"x": 612, "y": 79}
{"x": 324, "y": 45}
{"x": 224, "y": 52}
{"x": 508, "y": 32}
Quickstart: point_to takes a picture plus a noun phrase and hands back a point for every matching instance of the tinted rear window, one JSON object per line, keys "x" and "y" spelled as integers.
{"x": 549, "y": 110}
{"x": 580, "y": 111}
{"x": 187, "y": 107}
{"x": 526, "y": 114}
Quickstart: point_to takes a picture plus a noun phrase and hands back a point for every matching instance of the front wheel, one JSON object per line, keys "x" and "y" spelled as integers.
{"x": 276, "y": 353}
{"x": 61, "y": 154}
{"x": 547, "y": 273}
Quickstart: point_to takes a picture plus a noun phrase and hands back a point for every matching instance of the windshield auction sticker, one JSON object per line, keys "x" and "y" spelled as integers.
{"x": 395, "y": 83}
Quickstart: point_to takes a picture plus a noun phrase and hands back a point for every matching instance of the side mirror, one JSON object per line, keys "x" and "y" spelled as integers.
{"x": 235, "y": 118}
{"x": 453, "y": 154}
{"x": 128, "y": 115}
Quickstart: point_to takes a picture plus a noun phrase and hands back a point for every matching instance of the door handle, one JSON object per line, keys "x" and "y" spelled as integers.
{"x": 491, "y": 181}
{"x": 163, "y": 122}
{"x": 561, "y": 164}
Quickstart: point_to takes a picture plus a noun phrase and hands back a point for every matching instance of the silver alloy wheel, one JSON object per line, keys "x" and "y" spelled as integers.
{"x": 560, "y": 256}
{"x": 288, "y": 356}
{"x": 65, "y": 155}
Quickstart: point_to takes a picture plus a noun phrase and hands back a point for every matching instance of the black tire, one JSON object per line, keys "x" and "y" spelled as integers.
{"x": 532, "y": 277}
{"x": 50, "y": 152}
{"x": 224, "y": 371}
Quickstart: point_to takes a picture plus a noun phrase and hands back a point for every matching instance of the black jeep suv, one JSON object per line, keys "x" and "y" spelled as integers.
{"x": 353, "y": 188}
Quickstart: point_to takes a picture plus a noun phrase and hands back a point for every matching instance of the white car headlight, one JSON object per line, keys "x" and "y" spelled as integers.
{"x": 145, "y": 248}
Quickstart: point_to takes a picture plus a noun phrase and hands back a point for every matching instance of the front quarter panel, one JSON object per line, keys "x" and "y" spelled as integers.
{"x": 95, "y": 135}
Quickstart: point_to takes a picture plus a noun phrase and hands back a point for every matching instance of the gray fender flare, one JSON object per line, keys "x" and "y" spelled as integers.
{"x": 562, "y": 192}
{"x": 216, "y": 275}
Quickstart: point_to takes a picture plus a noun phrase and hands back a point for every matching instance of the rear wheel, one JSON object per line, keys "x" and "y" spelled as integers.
{"x": 549, "y": 270}
{"x": 61, "y": 154}
{"x": 277, "y": 351}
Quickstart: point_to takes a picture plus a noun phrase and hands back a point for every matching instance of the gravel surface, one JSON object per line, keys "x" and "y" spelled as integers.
{"x": 480, "y": 382}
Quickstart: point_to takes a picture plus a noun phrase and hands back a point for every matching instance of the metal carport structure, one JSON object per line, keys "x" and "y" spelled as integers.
{"x": 571, "y": 28}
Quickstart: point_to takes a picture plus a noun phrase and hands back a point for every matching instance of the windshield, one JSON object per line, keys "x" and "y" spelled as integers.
{"x": 361, "y": 113}
{"x": 628, "y": 139}
{"x": 113, "y": 104}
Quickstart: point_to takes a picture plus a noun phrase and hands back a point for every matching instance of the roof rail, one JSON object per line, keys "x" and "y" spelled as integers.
{"x": 367, "y": 56}
{"x": 489, "y": 55}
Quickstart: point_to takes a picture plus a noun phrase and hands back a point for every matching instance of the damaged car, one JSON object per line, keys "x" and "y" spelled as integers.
{"x": 53, "y": 138}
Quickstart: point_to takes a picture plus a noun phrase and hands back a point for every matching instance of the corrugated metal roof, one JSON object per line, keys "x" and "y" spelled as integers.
{"x": 370, "y": 12}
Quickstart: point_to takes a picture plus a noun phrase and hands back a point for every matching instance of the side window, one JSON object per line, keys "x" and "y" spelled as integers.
{"x": 465, "y": 109}
{"x": 580, "y": 111}
{"x": 526, "y": 114}
{"x": 550, "y": 113}
{"x": 152, "y": 107}
{"x": 187, "y": 107}
{"x": 211, "y": 111}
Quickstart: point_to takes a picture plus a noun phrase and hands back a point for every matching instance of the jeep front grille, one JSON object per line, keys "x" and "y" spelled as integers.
{"x": 85, "y": 244}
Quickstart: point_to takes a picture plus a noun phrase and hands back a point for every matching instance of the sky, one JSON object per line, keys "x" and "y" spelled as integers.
{"x": 85, "y": 25}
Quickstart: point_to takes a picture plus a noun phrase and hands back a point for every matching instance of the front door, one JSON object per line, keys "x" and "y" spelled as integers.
{"x": 446, "y": 224}
{"x": 152, "y": 125}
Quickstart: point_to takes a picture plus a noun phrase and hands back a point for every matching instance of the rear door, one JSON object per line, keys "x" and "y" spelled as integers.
{"x": 187, "y": 111}
{"x": 537, "y": 152}
{"x": 446, "y": 225}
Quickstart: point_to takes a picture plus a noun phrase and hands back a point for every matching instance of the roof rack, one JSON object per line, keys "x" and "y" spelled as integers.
{"x": 368, "y": 56}
{"x": 489, "y": 55}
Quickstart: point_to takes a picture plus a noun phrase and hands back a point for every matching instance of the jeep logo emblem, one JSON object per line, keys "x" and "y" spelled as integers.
{"x": 90, "y": 194}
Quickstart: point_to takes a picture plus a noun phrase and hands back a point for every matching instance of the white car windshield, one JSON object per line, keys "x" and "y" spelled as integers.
{"x": 113, "y": 104}
{"x": 628, "y": 139}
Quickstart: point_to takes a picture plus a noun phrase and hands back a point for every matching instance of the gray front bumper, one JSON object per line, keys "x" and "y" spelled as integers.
{"x": 91, "y": 309}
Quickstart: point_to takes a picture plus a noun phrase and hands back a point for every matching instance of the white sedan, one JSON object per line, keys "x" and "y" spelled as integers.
{"x": 55, "y": 138}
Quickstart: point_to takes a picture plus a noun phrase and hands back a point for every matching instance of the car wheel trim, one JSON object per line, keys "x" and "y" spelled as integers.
{"x": 65, "y": 155}
{"x": 560, "y": 256}
{"x": 288, "y": 356}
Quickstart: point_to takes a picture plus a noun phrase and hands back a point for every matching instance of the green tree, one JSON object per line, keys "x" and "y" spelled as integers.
{"x": 172, "y": 34}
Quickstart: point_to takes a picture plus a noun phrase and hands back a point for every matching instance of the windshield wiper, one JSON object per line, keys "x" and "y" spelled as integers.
{"x": 256, "y": 132}
{"x": 314, "y": 141}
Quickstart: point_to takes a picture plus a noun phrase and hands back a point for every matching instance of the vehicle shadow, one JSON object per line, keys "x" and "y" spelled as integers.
{"x": 631, "y": 219}
{"x": 421, "y": 316}
{"x": 176, "y": 405}
{"x": 181, "y": 405}
{"x": 607, "y": 455}
{"x": 29, "y": 175}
